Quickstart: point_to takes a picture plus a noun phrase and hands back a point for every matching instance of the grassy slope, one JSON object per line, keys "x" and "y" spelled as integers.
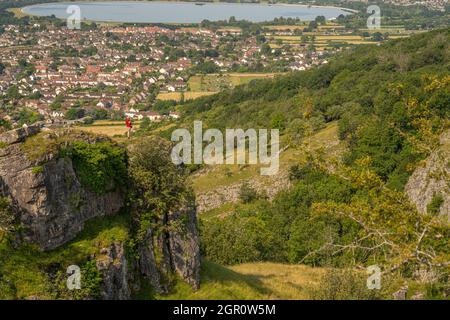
{"x": 221, "y": 176}
{"x": 24, "y": 268}
{"x": 250, "y": 281}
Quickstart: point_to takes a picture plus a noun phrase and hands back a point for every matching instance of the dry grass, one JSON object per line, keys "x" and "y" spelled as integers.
{"x": 225, "y": 175}
{"x": 285, "y": 281}
{"x": 229, "y": 29}
{"x": 106, "y": 130}
{"x": 249, "y": 282}
{"x": 109, "y": 128}
{"x": 339, "y": 37}
{"x": 218, "y": 82}
{"x": 331, "y": 26}
{"x": 284, "y": 28}
{"x": 188, "y": 95}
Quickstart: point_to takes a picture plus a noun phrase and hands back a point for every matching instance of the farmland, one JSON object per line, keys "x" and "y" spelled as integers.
{"x": 178, "y": 96}
{"x": 218, "y": 82}
{"x": 204, "y": 85}
{"x": 330, "y": 35}
{"x": 111, "y": 128}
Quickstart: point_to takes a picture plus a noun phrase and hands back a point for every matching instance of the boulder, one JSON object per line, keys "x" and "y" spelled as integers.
{"x": 432, "y": 178}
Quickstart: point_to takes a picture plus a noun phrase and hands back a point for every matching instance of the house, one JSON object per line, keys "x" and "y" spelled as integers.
{"x": 130, "y": 114}
{"x": 57, "y": 114}
{"x": 174, "y": 115}
{"x": 104, "y": 104}
{"x": 92, "y": 69}
{"x": 152, "y": 115}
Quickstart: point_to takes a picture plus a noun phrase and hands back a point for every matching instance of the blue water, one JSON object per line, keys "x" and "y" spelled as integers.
{"x": 180, "y": 12}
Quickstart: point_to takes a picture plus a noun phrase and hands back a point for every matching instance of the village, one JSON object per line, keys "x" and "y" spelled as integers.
{"x": 110, "y": 72}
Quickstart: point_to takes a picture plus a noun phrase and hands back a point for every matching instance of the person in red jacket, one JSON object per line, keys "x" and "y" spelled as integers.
{"x": 129, "y": 126}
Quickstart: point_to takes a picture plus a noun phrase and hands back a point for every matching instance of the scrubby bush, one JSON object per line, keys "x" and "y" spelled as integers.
{"x": 247, "y": 193}
{"x": 435, "y": 204}
{"x": 101, "y": 167}
{"x": 344, "y": 284}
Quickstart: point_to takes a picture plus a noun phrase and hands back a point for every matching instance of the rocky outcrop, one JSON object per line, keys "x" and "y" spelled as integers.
{"x": 175, "y": 250}
{"x": 113, "y": 266}
{"x": 432, "y": 178}
{"x": 49, "y": 200}
{"x": 52, "y": 207}
{"x": 266, "y": 185}
{"x": 184, "y": 245}
{"x": 19, "y": 135}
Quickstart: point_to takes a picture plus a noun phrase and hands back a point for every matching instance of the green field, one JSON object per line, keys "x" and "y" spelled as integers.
{"x": 219, "y": 82}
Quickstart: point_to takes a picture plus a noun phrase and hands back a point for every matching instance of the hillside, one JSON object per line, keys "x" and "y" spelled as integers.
{"x": 251, "y": 281}
{"x": 362, "y": 88}
{"x": 361, "y": 132}
{"x": 73, "y": 199}
{"x": 389, "y": 106}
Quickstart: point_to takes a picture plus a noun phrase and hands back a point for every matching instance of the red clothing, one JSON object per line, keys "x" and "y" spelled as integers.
{"x": 128, "y": 123}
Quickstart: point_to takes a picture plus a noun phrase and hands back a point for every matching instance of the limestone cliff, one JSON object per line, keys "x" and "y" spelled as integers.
{"x": 176, "y": 250}
{"x": 48, "y": 198}
{"x": 113, "y": 265}
{"x": 52, "y": 206}
{"x": 432, "y": 178}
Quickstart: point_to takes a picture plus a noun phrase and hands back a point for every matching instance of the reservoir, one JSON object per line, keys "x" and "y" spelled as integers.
{"x": 181, "y": 12}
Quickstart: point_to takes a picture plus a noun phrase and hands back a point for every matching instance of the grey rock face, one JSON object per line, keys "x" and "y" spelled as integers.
{"x": 49, "y": 200}
{"x": 18, "y": 135}
{"x": 401, "y": 294}
{"x": 53, "y": 206}
{"x": 184, "y": 246}
{"x": 418, "y": 296}
{"x": 268, "y": 185}
{"x": 432, "y": 178}
{"x": 113, "y": 266}
{"x": 147, "y": 262}
{"x": 178, "y": 250}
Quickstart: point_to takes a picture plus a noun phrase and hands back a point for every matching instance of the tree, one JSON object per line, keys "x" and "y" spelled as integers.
{"x": 28, "y": 116}
{"x": 145, "y": 124}
{"x": 157, "y": 186}
{"x": 392, "y": 232}
{"x": 74, "y": 113}
{"x": 13, "y": 93}
{"x": 247, "y": 193}
{"x": 313, "y": 25}
{"x": 321, "y": 19}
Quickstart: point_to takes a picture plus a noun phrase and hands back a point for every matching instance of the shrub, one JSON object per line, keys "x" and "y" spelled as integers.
{"x": 101, "y": 167}
{"x": 247, "y": 193}
{"x": 343, "y": 285}
{"x": 38, "y": 169}
{"x": 435, "y": 204}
